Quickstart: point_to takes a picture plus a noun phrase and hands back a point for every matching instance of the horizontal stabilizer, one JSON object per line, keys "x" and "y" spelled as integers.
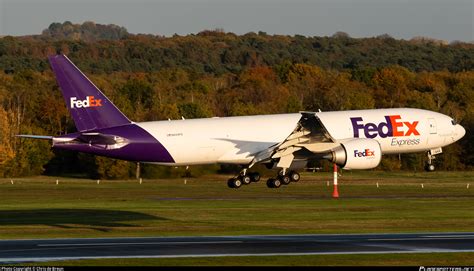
{"x": 101, "y": 139}
{"x": 36, "y": 137}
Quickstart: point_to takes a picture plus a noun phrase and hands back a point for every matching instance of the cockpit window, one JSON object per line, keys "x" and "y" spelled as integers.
{"x": 453, "y": 122}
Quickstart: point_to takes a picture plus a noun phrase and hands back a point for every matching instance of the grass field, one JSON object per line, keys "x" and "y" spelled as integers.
{"x": 413, "y": 259}
{"x": 38, "y": 208}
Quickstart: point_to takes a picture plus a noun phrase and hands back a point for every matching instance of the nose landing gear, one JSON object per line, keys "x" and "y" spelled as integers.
{"x": 431, "y": 156}
{"x": 429, "y": 167}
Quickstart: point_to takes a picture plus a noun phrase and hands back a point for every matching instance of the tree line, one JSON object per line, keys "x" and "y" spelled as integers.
{"x": 109, "y": 48}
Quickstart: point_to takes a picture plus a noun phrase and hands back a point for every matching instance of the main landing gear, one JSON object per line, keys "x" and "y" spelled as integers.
{"x": 283, "y": 178}
{"x": 244, "y": 178}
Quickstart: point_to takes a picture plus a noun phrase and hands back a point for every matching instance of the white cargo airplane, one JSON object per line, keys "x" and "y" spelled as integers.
{"x": 354, "y": 139}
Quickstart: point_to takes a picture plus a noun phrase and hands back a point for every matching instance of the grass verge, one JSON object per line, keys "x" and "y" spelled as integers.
{"x": 402, "y": 259}
{"x": 38, "y": 208}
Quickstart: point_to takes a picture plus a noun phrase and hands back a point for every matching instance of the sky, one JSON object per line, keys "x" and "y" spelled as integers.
{"x": 402, "y": 19}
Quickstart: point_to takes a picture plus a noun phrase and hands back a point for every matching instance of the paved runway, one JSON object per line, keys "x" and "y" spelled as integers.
{"x": 15, "y": 251}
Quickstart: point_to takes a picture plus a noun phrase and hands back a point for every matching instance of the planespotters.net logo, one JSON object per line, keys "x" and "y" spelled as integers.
{"x": 446, "y": 268}
{"x": 90, "y": 101}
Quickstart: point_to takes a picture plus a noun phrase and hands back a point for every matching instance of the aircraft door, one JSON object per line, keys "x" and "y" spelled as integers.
{"x": 432, "y": 123}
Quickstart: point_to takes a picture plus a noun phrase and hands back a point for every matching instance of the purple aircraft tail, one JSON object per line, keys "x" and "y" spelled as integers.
{"x": 88, "y": 106}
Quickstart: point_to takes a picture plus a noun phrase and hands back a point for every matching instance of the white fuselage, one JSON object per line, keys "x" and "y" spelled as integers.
{"x": 236, "y": 140}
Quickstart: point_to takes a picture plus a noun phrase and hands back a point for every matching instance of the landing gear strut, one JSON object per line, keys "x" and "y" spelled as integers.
{"x": 429, "y": 165}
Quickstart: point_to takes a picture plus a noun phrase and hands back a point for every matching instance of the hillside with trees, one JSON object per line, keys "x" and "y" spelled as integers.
{"x": 214, "y": 73}
{"x": 87, "y": 32}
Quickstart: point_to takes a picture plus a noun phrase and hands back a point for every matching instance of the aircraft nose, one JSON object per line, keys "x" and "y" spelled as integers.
{"x": 459, "y": 131}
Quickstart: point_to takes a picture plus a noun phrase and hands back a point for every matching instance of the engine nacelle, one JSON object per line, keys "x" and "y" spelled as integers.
{"x": 361, "y": 153}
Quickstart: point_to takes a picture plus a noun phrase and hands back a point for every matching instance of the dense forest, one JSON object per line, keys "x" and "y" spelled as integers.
{"x": 214, "y": 73}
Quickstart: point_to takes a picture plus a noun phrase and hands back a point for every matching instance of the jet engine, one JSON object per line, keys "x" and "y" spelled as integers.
{"x": 360, "y": 153}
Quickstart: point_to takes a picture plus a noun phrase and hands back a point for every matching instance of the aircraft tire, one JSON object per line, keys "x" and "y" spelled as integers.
{"x": 276, "y": 183}
{"x": 230, "y": 183}
{"x": 285, "y": 179}
{"x": 430, "y": 167}
{"x": 245, "y": 179}
{"x": 294, "y": 176}
{"x": 254, "y": 176}
{"x": 237, "y": 183}
{"x": 270, "y": 183}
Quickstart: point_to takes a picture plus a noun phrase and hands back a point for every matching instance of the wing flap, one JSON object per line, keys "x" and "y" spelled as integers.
{"x": 309, "y": 134}
{"x": 319, "y": 147}
{"x": 285, "y": 152}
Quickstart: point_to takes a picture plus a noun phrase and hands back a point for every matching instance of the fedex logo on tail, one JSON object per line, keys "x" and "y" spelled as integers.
{"x": 392, "y": 127}
{"x": 90, "y": 101}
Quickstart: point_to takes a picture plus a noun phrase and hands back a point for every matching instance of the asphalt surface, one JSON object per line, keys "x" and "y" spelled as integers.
{"x": 18, "y": 251}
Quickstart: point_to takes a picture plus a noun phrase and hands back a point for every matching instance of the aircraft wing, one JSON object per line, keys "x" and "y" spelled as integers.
{"x": 310, "y": 137}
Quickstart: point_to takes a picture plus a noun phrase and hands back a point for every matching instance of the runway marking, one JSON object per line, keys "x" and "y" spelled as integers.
{"x": 406, "y": 247}
{"x": 142, "y": 243}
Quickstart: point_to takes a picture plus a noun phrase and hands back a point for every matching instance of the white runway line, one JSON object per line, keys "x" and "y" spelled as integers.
{"x": 408, "y": 247}
{"x": 143, "y": 243}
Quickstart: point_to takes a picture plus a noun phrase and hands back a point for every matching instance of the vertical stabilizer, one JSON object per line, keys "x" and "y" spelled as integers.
{"x": 89, "y": 107}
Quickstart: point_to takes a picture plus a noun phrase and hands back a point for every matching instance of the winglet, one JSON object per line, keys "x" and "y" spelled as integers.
{"x": 89, "y": 107}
